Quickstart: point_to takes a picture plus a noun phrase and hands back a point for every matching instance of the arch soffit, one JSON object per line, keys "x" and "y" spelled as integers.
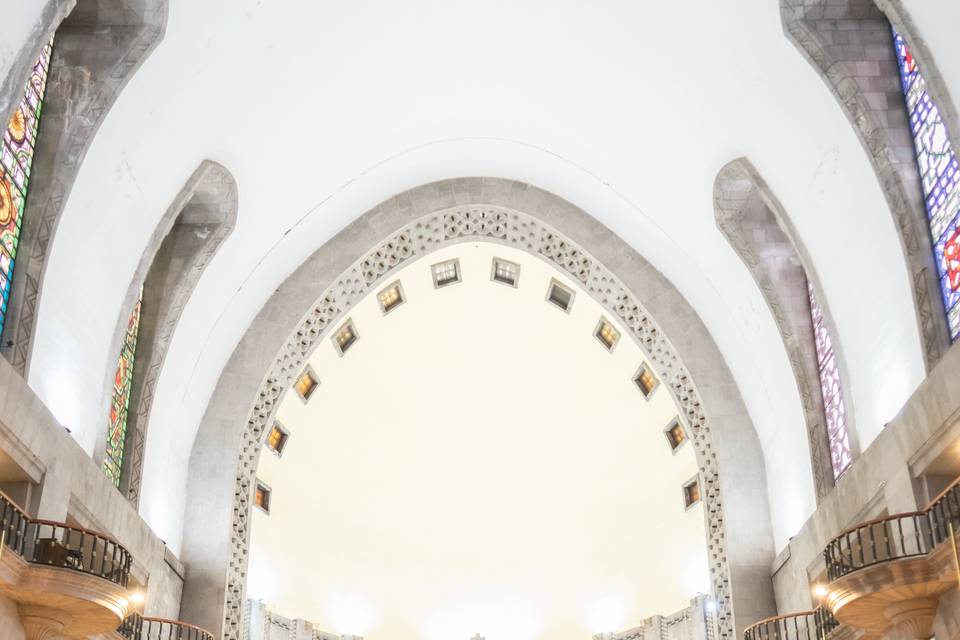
{"x": 209, "y": 199}
{"x": 883, "y": 132}
{"x": 746, "y": 209}
{"x": 414, "y": 224}
{"x": 81, "y": 89}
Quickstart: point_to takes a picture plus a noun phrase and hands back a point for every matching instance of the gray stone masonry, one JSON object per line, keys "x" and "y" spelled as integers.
{"x": 72, "y": 485}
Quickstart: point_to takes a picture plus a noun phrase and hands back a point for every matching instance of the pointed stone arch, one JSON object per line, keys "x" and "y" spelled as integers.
{"x": 759, "y": 230}
{"x": 184, "y": 242}
{"x": 415, "y": 223}
{"x": 99, "y": 45}
{"x": 849, "y": 44}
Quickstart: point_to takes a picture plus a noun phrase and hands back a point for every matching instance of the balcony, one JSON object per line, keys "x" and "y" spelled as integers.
{"x": 890, "y": 572}
{"x": 65, "y": 580}
{"x": 808, "y": 625}
{"x": 137, "y": 627}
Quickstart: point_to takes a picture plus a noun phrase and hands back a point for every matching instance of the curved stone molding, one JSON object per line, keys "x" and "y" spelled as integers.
{"x": 859, "y": 66}
{"x": 414, "y": 224}
{"x": 188, "y": 236}
{"x": 11, "y": 88}
{"x": 758, "y": 229}
{"x": 99, "y": 47}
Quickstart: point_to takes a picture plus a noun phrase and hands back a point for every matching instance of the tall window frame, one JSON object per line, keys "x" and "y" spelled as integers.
{"x": 120, "y": 400}
{"x": 831, "y": 389}
{"x": 17, "y": 151}
{"x": 939, "y": 175}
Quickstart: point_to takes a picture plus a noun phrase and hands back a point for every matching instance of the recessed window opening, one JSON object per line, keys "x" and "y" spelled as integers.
{"x": 277, "y": 438}
{"x": 345, "y": 337}
{"x": 645, "y": 380}
{"x": 606, "y": 334}
{"x": 691, "y": 492}
{"x": 446, "y": 273}
{"x": 261, "y": 496}
{"x": 505, "y": 272}
{"x": 391, "y": 297}
{"x": 676, "y": 436}
{"x": 560, "y": 295}
{"x": 306, "y": 384}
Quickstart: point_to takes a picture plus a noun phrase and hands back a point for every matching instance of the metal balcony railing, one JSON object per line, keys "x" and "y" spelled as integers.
{"x": 64, "y": 546}
{"x": 137, "y": 627}
{"x": 903, "y": 535}
{"x": 808, "y": 625}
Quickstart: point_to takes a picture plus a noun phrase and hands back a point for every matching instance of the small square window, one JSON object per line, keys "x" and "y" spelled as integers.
{"x": 345, "y": 336}
{"x": 606, "y": 334}
{"x": 445, "y": 273}
{"x": 505, "y": 272}
{"x": 261, "y": 497}
{"x": 691, "y": 492}
{"x": 676, "y": 436}
{"x": 645, "y": 380}
{"x": 277, "y": 438}
{"x": 306, "y": 384}
{"x": 560, "y": 295}
{"x": 391, "y": 297}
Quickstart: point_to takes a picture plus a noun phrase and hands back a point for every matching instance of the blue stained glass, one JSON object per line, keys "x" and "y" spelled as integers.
{"x": 16, "y": 157}
{"x": 940, "y": 177}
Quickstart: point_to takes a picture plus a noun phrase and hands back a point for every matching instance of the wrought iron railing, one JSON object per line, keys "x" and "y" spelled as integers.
{"x": 137, "y": 627}
{"x": 904, "y": 535}
{"x": 13, "y": 523}
{"x": 60, "y": 545}
{"x": 809, "y": 625}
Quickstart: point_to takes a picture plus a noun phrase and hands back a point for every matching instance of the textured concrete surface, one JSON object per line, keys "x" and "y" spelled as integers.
{"x": 884, "y": 479}
{"x": 73, "y": 486}
{"x": 99, "y": 46}
{"x": 219, "y": 461}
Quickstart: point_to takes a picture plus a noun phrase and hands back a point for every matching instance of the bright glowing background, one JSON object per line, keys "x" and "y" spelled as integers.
{"x": 477, "y": 463}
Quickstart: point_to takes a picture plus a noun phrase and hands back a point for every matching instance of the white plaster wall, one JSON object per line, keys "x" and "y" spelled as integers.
{"x": 626, "y": 109}
{"x": 16, "y": 29}
{"x": 937, "y": 22}
{"x": 516, "y": 451}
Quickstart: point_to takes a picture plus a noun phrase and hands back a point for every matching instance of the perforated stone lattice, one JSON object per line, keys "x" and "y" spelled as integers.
{"x": 416, "y": 239}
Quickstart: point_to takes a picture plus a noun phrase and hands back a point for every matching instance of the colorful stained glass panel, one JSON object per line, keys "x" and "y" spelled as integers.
{"x": 120, "y": 403}
{"x": 940, "y": 176}
{"x": 16, "y": 158}
{"x": 840, "y": 454}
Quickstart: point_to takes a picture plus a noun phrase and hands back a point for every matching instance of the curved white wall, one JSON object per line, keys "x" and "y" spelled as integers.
{"x": 628, "y": 111}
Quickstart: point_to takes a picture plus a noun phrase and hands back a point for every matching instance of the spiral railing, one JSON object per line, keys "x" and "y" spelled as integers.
{"x": 904, "y": 535}
{"x": 60, "y": 545}
{"x": 137, "y": 627}
{"x": 808, "y": 625}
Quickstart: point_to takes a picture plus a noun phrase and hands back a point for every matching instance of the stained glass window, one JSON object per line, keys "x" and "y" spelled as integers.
{"x": 940, "y": 175}
{"x": 120, "y": 404}
{"x": 840, "y": 455}
{"x": 16, "y": 158}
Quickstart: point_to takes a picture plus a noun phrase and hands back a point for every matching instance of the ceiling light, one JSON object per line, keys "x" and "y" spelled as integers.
{"x": 345, "y": 336}
{"x": 676, "y": 436}
{"x": 306, "y": 384}
{"x": 560, "y": 295}
{"x": 645, "y": 380}
{"x": 136, "y": 597}
{"x": 277, "y": 438}
{"x": 606, "y": 334}
{"x": 444, "y": 273}
{"x": 505, "y": 272}
{"x": 820, "y": 591}
{"x": 391, "y": 297}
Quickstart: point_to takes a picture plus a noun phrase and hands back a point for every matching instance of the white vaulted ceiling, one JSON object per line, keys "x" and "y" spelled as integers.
{"x": 477, "y": 462}
{"x": 323, "y": 109}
